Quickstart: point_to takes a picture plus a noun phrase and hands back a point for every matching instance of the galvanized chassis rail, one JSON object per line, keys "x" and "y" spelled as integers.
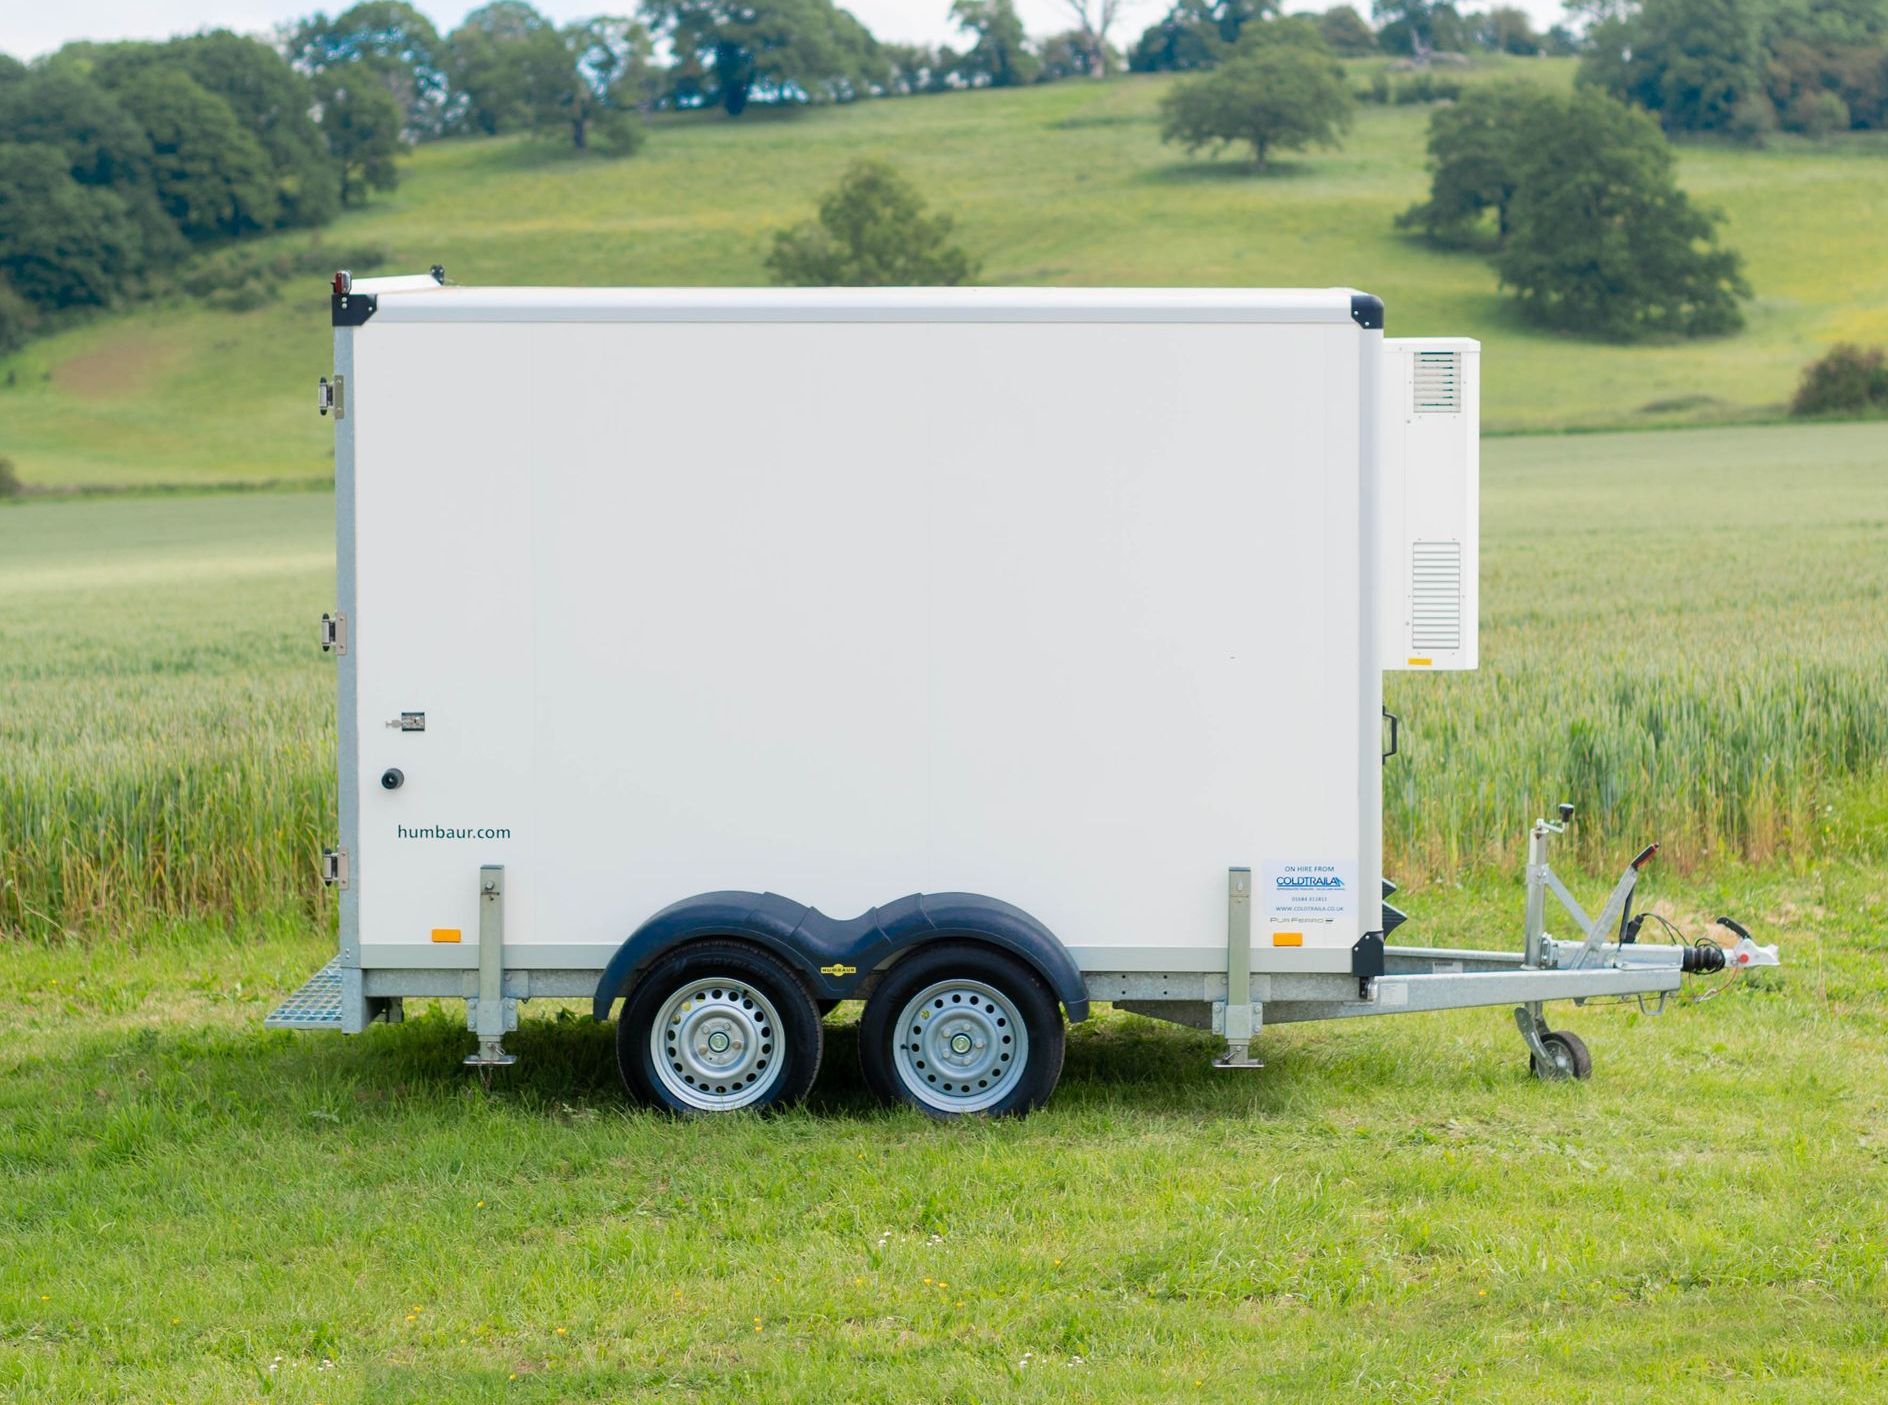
{"x": 1414, "y": 978}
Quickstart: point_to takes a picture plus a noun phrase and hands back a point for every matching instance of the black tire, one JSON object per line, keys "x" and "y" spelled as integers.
{"x": 1009, "y": 1072}
{"x": 1571, "y": 1059}
{"x": 759, "y": 1012}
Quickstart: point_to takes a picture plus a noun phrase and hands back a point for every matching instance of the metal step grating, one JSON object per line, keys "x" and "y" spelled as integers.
{"x": 317, "y": 1005}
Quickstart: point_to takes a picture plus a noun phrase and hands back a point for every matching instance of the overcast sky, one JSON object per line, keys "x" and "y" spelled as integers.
{"x": 31, "y": 27}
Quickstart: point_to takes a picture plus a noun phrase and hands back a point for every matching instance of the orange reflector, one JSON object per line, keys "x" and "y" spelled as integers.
{"x": 445, "y": 934}
{"x": 1419, "y": 663}
{"x": 1288, "y": 939}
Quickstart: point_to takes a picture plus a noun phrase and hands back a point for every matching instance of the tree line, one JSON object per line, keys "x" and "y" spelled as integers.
{"x": 118, "y": 160}
{"x": 1744, "y": 68}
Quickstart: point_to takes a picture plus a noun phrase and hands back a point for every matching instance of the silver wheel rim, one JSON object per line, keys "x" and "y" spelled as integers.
{"x": 960, "y": 1046}
{"x": 717, "y": 1044}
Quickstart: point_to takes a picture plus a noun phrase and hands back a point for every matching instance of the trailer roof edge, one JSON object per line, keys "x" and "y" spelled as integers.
{"x": 1226, "y": 305}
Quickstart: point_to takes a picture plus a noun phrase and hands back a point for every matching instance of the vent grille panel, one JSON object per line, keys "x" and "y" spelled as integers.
{"x": 1435, "y": 596}
{"x": 1438, "y": 383}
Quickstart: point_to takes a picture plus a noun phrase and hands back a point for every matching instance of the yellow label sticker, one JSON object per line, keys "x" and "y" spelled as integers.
{"x": 1288, "y": 939}
{"x": 1420, "y": 663}
{"x": 445, "y": 934}
{"x": 839, "y": 968}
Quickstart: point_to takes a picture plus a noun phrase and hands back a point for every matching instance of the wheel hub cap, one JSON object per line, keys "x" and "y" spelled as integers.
{"x": 960, "y": 1046}
{"x": 716, "y": 1044}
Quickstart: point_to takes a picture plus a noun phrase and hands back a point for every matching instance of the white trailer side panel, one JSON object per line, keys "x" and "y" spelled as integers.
{"x": 1065, "y": 612}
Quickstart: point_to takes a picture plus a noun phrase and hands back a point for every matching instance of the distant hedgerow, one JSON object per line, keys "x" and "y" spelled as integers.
{"x": 1845, "y": 380}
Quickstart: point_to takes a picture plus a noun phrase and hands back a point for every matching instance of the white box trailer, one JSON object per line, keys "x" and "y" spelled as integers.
{"x": 731, "y": 653}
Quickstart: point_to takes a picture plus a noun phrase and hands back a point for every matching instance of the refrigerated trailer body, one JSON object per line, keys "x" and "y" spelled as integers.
{"x": 738, "y": 617}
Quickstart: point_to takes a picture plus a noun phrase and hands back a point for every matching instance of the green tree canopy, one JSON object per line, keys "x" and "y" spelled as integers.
{"x": 1695, "y": 64}
{"x": 395, "y": 41}
{"x": 58, "y": 105}
{"x": 62, "y": 244}
{"x": 999, "y": 55}
{"x": 274, "y": 104}
{"x": 1280, "y": 91}
{"x": 362, "y": 124}
{"x": 212, "y": 176}
{"x": 1601, "y": 240}
{"x": 501, "y": 62}
{"x": 872, "y": 231}
{"x": 1346, "y": 32}
{"x": 729, "y": 51}
{"x": 1474, "y": 160}
{"x": 607, "y": 72}
{"x": 1419, "y": 27}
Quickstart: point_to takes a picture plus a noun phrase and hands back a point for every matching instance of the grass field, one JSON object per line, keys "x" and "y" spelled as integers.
{"x": 1067, "y": 184}
{"x": 199, "y": 1211}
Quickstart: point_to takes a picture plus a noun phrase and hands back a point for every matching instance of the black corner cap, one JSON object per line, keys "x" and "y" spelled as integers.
{"x": 1392, "y": 919}
{"x": 1366, "y": 957}
{"x": 352, "y": 309}
{"x": 438, "y": 271}
{"x": 1366, "y": 310}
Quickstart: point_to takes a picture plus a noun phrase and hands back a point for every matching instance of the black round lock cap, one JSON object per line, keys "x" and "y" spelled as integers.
{"x": 392, "y": 778}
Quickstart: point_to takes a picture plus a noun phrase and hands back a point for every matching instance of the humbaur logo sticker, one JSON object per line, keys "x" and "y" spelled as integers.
{"x": 1310, "y": 893}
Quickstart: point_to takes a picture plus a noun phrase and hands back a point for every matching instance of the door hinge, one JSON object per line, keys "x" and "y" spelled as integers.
{"x": 332, "y": 395}
{"x": 334, "y": 868}
{"x": 334, "y": 633}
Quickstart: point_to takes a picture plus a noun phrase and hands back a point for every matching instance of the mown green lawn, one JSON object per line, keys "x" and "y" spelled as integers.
{"x": 195, "y": 1210}
{"x": 1067, "y": 184}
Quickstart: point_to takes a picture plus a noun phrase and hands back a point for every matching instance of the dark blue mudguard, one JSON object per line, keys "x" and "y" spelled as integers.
{"x": 837, "y": 956}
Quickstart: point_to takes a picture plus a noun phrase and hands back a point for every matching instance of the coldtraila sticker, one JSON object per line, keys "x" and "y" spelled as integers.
{"x": 1311, "y": 894}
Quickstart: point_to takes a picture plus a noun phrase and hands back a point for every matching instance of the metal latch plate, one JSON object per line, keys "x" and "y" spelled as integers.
{"x": 334, "y": 867}
{"x": 333, "y": 634}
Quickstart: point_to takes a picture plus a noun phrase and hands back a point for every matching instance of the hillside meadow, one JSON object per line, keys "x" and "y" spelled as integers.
{"x": 1067, "y": 184}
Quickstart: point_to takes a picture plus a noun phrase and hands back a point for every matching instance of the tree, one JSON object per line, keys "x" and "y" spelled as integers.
{"x": 605, "y": 75}
{"x": 1474, "y": 160}
{"x": 62, "y": 244}
{"x": 103, "y": 144}
{"x": 362, "y": 124}
{"x": 1419, "y": 27}
{"x": 1094, "y": 18}
{"x": 394, "y": 41}
{"x": 1506, "y": 29}
{"x": 274, "y": 104}
{"x": 1845, "y": 380}
{"x": 1178, "y": 42}
{"x": 212, "y": 177}
{"x": 1346, "y": 32}
{"x": 1069, "y": 55}
{"x": 918, "y": 68}
{"x": 500, "y": 62}
{"x": 1601, "y": 240}
{"x": 1696, "y": 64}
{"x": 1270, "y": 96}
{"x": 1000, "y": 55}
{"x": 872, "y": 232}
{"x": 727, "y": 51}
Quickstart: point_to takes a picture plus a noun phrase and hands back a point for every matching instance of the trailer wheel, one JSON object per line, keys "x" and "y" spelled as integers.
{"x": 1570, "y": 1057}
{"x": 716, "y": 1027}
{"x": 959, "y": 1030}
